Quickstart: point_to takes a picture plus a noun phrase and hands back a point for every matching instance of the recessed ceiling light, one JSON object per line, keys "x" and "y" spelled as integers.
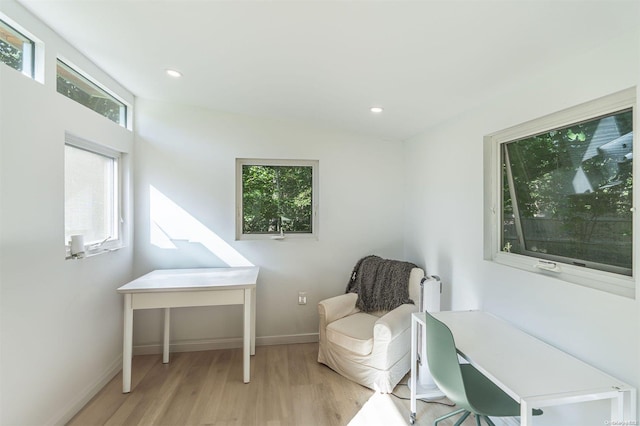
{"x": 173, "y": 73}
{"x": 376, "y": 109}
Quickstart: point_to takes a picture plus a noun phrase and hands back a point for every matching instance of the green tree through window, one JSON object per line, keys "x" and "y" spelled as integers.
{"x": 16, "y": 50}
{"x": 73, "y": 85}
{"x": 277, "y": 199}
{"x": 567, "y": 194}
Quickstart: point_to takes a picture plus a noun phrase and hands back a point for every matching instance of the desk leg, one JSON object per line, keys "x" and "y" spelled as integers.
{"x": 414, "y": 371}
{"x": 127, "y": 344}
{"x": 253, "y": 321}
{"x": 526, "y": 414}
{"x": 633, "y": 404}
{"x": 246, "y": 345}
{"x": 617, "y": 406}
{"x": 165, "y": 345}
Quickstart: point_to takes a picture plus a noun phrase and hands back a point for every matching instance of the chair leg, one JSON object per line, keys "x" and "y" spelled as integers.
{"x": 477, "y": 416}
{"x": 446, "y": 416}
{"x": 488, "y": 420}
{"x": 463, "y": 418}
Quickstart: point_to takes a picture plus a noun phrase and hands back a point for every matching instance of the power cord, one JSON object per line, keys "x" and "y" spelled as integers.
{"x": 428, "y": 401}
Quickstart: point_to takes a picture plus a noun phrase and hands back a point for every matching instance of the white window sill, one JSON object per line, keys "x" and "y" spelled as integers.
{"x": 600, "y": 280}
{"x": 92, "y": 253}
{"x": 276, "y": 237}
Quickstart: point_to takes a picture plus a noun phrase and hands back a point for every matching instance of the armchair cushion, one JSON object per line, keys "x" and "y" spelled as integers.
{"x": 354, "y": 332}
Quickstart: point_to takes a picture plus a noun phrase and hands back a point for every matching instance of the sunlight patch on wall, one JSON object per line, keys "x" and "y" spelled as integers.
{"x": 170, "y": 222}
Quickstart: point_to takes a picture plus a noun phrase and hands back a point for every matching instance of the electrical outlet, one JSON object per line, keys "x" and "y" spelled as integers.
{"x": 302, "y": 298}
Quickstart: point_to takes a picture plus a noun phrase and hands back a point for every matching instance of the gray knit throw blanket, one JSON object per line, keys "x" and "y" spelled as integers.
{"x": 381, "y": 284}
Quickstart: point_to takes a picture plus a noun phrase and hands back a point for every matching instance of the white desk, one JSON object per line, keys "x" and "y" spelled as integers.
{"x": 173, "y": 288}
{"x": 535, "y": 374}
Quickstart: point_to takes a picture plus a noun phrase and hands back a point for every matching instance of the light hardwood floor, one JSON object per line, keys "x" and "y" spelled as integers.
{"x": 288, "y": 387}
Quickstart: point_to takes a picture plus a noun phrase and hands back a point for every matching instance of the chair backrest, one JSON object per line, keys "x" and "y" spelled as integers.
{"x": 442, "y": 359}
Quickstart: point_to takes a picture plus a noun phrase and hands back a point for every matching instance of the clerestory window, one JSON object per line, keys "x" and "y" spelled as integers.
{"x": 17, "y": 50}
{"x": 74, "y": 85}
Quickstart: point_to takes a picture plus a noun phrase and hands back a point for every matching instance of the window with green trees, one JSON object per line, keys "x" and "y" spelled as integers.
{"x": 568, "y": 193}
{"x": 559, "y": 195}
{"x": 74, "y": 85}
{"x": 16, "y": 49}
{"x": 277, "y": 197}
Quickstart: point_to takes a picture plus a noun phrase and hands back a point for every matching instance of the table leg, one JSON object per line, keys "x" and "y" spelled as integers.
{"x": 617, "y": 408}
{"x": 127, "y": 344}
{"x": 633, "y": 405}
{"x": 246, "y": 336}
{"x": 165, "y": 346}
{"x": 253, "y": 321}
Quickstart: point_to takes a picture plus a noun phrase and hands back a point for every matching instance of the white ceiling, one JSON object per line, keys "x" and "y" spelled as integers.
{"x": 327, "y": 62}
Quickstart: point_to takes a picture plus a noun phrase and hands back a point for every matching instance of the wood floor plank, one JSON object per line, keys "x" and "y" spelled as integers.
{"x": 211, "y": 396}
{"x": 288, "y": 388}
{"x": 274, "y": 391}
{"x": 111, "y": 396}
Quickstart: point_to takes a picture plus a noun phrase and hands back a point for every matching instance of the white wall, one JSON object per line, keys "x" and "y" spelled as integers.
{"x": 188, "y": 155}
{"x": 61, "y": 326}
{"x": 444, "y": 218}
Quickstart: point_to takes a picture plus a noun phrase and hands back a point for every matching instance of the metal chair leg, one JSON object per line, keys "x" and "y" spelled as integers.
{"x": 462, "y": 419}
{"x": 488, "y": 420}
{"x": 446, "y": 416}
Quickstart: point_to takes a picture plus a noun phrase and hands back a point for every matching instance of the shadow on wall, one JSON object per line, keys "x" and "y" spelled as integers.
{"x": 171, "y": 226}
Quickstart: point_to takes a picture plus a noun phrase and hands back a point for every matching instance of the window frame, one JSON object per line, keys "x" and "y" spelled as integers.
{"x": 611, "y": 282}
{"x": 36, "y": 56}
{"x": 30, "y": 55}
{"x": 125, "y": 113}
{"x": 314, "y": 164}
{"x": 93, "y": 247}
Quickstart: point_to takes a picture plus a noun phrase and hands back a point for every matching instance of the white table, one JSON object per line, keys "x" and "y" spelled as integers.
{"x": 173, "y": 288}
{"x": 530, "y": 371}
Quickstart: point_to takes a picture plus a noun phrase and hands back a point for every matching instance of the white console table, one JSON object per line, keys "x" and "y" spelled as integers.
{"x": 173, "y": 288}
{"x": 532, "y": 372}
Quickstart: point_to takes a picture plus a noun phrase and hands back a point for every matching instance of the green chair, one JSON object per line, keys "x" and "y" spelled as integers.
{"x": 462, "y": 383}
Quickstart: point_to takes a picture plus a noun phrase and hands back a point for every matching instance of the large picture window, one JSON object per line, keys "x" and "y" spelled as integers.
{"x": 276, "y": 198}
{"x": 564, "y": 191}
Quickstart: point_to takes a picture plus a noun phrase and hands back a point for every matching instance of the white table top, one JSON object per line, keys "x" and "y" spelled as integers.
{"x": 522, "y": 365}
{"x": 198, "y": 279}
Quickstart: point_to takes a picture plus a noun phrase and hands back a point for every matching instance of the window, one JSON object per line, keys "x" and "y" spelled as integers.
{"x": 564, "y": 191}
{"x": 16, "y": 49}
{"x": 276, "y": 198}
{"x": 92, "y": 193}
{"x": 81, "y": 89}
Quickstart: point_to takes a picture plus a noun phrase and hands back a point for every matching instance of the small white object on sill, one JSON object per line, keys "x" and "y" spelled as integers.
{"x": 76, "y": 246}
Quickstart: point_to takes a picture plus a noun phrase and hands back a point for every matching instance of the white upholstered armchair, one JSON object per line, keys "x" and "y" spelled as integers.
{"x": 372, "y": 349}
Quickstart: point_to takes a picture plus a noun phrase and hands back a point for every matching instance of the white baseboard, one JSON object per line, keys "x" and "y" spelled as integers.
{"x": 230, "y": 343}
{"x": 67, "y": 412}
